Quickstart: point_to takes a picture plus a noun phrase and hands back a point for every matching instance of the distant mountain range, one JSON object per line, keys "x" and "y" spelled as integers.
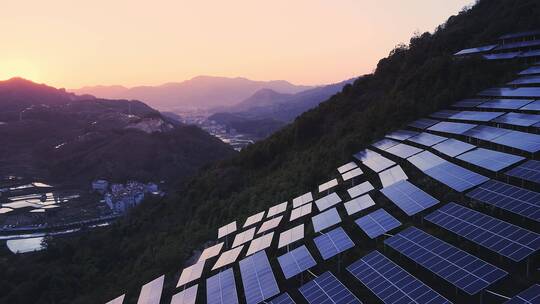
{"x": 267, "y": 110}
{"x": 198, "y": 92}
{"x": 50, "y": 133}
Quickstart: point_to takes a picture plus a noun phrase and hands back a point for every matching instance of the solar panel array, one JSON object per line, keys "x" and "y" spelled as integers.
{"x": 253, "y": 219}
{"x": 277, "y": 209}
{"x": 505, "y": 103}
{"x": 211, "y": 252}
{"x": 290, "y": 236}
{"x": 351, "y": 174}
{"x": 451, "y": 127}
{"x": 191, "y": 273}
{"x": 187, "y": 296}
{"x": 302, "y": 199}
{"x": 377, "y": 223}
{"x": 260, "y": 243}
{"x": 296, "y": 261}
{"x": 301, "y": 211}
{"x": 325, "y": 219}
{"x": 284, "y": 298}
{"x": 408, "y": 197}
{"x": 257, "y": 278}
{"x": 358, "y": 204}
{"x": 492, "y": 160}
{"x": 221, "y": 288}
{"x": 151, "y": 291}
{"x": 327, "y": 201}
{"x": 374, "y": 160}
{"x": 514, "y": 199}
{"x": 244, "y": 237}
{"x": 529, "y": 170}
{"x": 328, "y": 185}
{"x": 391, "y": 176}
{"x": 333, "y": 242}
{"x": 360, "y": 189}
{"x": 385, "y": 143}
{"x": 391, "y": 283}
{"x": 401, "y": 134}
{"x": 427, "y": 139}
{"x": 454, "y": 265}
{"x": 519, "y": 119}
{"x": 228, "y": 257}
{"x": 227, "y": 229}
{"x": 403, "y": 150}
{"x": 508, "y": 240}
{"x": 476, "y": 116}
{"x": 453, "y": 147}
{"x": 326, "y": 288}
{"x": 423, "y": 123}
{"x": 347, "y": 167}
{"x": 529, "y": 296}
{"x": 270, "y": 224}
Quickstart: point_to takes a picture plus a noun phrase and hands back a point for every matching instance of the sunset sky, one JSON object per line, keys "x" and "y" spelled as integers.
{"x": 72, "y": 43}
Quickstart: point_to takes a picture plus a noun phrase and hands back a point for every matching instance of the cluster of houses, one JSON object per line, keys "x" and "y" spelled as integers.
{"x": 122, "y": 197}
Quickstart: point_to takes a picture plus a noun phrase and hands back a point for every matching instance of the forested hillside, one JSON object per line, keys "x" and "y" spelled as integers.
{"x": 414, "y": 80}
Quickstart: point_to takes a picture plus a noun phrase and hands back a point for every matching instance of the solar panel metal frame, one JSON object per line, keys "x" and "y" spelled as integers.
{"x": 529, "y": 170}
{"x": 325, "y": 219}
{"x": 360, "y": 189}
{"x": 296, "y": 261}
{"x": 221, "y": 288}
{"x": 530, "y": 295}
{"x": 291, "y": 235}
{"x": 409, "y": 198}
{"x": 506, "y": 239}
{"x": 377, "y": 223}
{"x": 151, "y": 291}
{"x": 459, "y": 268}
{"x": 358, "y": 204}
{"x": 326, "y": 288}
{"x": 333, "y": 243}
{"x": 514, "y": 199}
{"x": 186, "y": 296}
{"x": 489, "y": 159}
{"x": 228, "y": 257}
{"x": 476, "y": 50}
{"x": 391, "y": 283}
{"x": 328, "y": 201}
{"x": 393, "y": 175}
{"x": 257, "y": 278}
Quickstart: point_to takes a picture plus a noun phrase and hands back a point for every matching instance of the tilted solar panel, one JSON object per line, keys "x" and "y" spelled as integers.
{"x": 228, "y": 257}
{"x": 517, "y": 45}
{"x": 492, "y": 160}
{"x": 328, "y": 201}
{"x": 505, "y": 103}
{"x": 427, "y": 139}
{"x": 425, "y": 160}
{"x": 451, "y": 127}
{"x": 529, "y": 170}
{"x": 260, "y": 243}
{"x": 518, "y": 119}
{"x": 401, "y": 134}
{"x": 453, "y": 147}
{"x": 328, "y": 185}
{"x": 300, "y": 211}
{"x": 520, "y": 140}
{"x": 358, "y": 204}
{"x": 296, "y": 261}
{"x": 476, "y": 50}
{"x": 227, "y": 229}
{"x": 377, "y": 223}
{"x": 347, "y": 167}
{"x": 391, "y": 176}
{"x": 533, "y": 106}
{"x": 530, "y": 71}
{"x": 403, "y": 150}
{"x": 454, "y": 265}
{"x": 534, "y": 79}
{"x": 290, "y": 236}
{"x": 351, "y": 174}
{"x": 302, "y": 199}
{"x": 283, "y": 298}
{"x": 326, "y": 288}
{"x": 476, "y": 116}
{"x": 221, "y": 288}
{"x": 191, "y": 273}
{"x": 423, "y": 123}
{"x": 514, "y": 199}
{"x": 502, "y": 56}
{"x": 211, "y": 252}
{"x": 277, "y": 209}
{"x": 358, "y": 190}
{"x": 118, "y": 300}
{"x": 187, "y": 296}
{"x": 530, "y": 295}
{"x": 270, "y": 224}
{"x": 455, "y": 177}
{"x": 444, "y": 114}
{"x": 408, "y": 197}
{"x": 508, "y": 240}
{"x": 333, "y": 242}
{"x": 325, "y": 219}
{"x": 253, "y": 219}
{"x": 469, "y": 103}
{"x": 391, "y": 283}
{"x": 373, "y": 160}
{"x": 151, "y": 291}
{"x": 385, "y": 143}
{"x": 512, "y": 92}
{"x": 257, "y": 278}
{"x": 486, "y": 132}
{"x": 244, "y": 237}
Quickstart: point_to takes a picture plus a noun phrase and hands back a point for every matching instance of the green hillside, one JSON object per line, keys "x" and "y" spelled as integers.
{"x": 414, "y": 80}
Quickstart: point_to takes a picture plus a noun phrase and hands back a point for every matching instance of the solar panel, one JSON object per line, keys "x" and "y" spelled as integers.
{"x": 290, "y": 236}
{"x": 391, "y": 283}
{"x": 401, "y": 134}
{"x": 488, "y": 159}
{"x": 453, "y": 147}
{"x": 502, "y": 103}
{"x": 519, "y": 34}
{"x": 502, "y": 56}
{"x": 348, "y": 166}
{"x": 253, "y": 219}
{"x": 512, "y": 92}
{"x": 451, "y": 127}
{"x": 358, "y": 190}
{"x": 517, "y": 44}
{"x": 358, "y": 204}
{"x": 257, "y": 278}
{"x": 302, "y": 199}
{"x": 476, "y": 116}
{"x": 327, "y": 201}
{"x": 403, "y": 150}
{"x": 296, "y": 261}
{"x": 427, "y": 139}
{"x": 408, "y": 197}
{"x": 210, "y": 252}
{"x": 352, "y": 174}
{"x": 118, "y": 300}
{"x": 333, "y": 242}
{"x": 243, "y": 237}
{"x": 469, "y": 103}
{"x": 328, "y": 185}
{"x": 191, "y": 273}
{"x": 327, "y": 289}
{"x": 227, "y": 229}
{"x": 499, "y": 236}
{"x": 228, "y": 257}
{"x": 391, "y": 176}
{"x": 151, "y": 291}
{"x": 529, "y": 170}
{"x": 531, "y": 53}
{"x": 270, "y": 224}
{"x": 277, "y": 209}
{"x": 519, "y": 119}
{"x": 187, "y": 296}
{"x": 485, "y": 132}
{"x": 533, "y": 106}
{"x": 221, "y": 288}
{"x": 535, "y": 79}
{"x": 260, "y": 243}
{"x": 377, "y": 223}
{"x": 459, "y": 268}
{"x": 423, "y": 123}
{"x": 454, "y": 176}
{"x": 476, "y": 50}
{"x": 301, "y": 211}
{"x": 425, "y": 160}
{"x": 385, "y": 143}
{"x": 374, "y": 160}
{"x": 530, "y": 71}
{"x": 444, "y": 114}
{"x": 520, "y": 140}
{"x": 283, "y": 298}
{"x": 529, "y": 296}
{"x": 514, "y": 199}
{"x": 325, "y": 219}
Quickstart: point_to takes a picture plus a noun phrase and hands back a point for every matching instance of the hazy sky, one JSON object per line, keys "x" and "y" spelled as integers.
{"x": 71, "y": 43}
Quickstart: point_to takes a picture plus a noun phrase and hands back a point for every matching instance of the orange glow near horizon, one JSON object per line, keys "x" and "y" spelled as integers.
{"x": 73, "y": 43}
